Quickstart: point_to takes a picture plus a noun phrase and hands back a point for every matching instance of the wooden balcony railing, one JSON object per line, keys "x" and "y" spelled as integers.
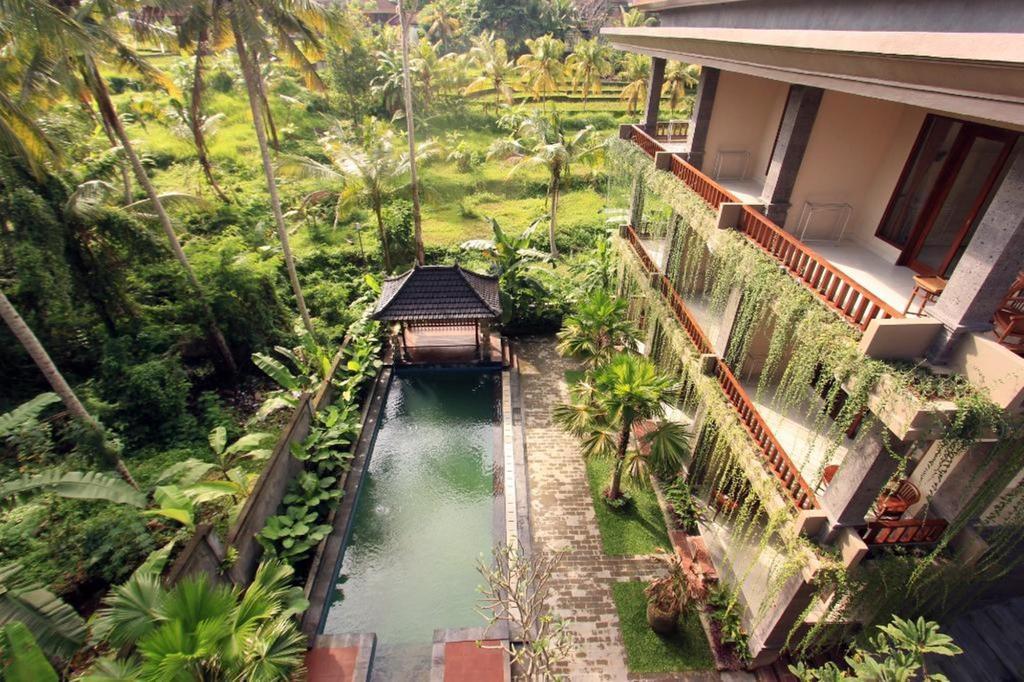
{"x": 672, "y": 131}
{"x": 850, "y": 300}
{"x": 646, "y": 142}
{"x": 903, "y": 532}
{"x": 706, "y": 188}
{"x": 773, "y": 456}
{"x": 854, "y": 303}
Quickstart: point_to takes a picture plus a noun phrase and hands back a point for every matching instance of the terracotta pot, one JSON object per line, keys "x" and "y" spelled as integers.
{"x": 662, "y": 622}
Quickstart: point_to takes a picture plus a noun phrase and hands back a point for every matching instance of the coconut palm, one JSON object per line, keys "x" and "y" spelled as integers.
{"x": 599, "y": 327}
{"x": 52, "y": 43}
{"x": 441, "y": 21}
{"x": 193, "y": 29}
{"x": 297, "y": 28}
{"x": 60, "y": 386}
{"x": 542, "y": 141}
{"x": 497, "y": 71}
{"x": 590, "y": 61}
{"x": 620, "y": 394}
{"x": 636, "y": 71}
{"x": 410, "y": 125}
{"x": 369, "y": 171}
{"x": 543, "y": 66}
{"x": 198, "y": 630}
{"x": 679, "y": 77}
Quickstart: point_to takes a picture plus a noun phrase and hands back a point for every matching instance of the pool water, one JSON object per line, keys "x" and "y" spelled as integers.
{"x": 424, "y": 517}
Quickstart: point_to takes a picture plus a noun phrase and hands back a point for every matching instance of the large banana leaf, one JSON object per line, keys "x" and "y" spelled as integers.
{"x": 276, "y": 371}
{"x": 83, "y": 485}
{"x": 26, "y": 412}
{"x": 58, "y": 629}
{"x": 21, "y": 657}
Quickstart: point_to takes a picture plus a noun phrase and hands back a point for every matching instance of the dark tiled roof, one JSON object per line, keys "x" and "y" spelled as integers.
{"x": 438, "y": 292}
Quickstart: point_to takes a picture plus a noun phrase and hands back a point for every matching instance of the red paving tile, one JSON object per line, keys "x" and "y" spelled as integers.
{"x": 467, "y": 662}
{"x": 331, "y": 665}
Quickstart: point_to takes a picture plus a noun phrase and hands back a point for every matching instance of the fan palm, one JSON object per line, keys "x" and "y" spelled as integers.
{"x": 202, "y": 631}
{"x": 590, "y": 61}
{"x": 368, "y": 172}
{"x": 542, "y": 141}
{"x": 636, "y": 71}
{"x": 543, "y": 66}
{"x": 679, "y": 77}
{"x": 497, "y": 71}
{"x": 599, "y": 327}
{"x": 52, "y": 43}
{"x": 621, "y": 393}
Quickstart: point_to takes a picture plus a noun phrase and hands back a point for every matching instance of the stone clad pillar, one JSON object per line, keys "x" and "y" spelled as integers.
{"x": 703, "y": 104}
{"x": 657, "y": 80}
{"x": 861, "y": 477}
{"x": 992, "y": 260}
{"x": 794, "y": 133}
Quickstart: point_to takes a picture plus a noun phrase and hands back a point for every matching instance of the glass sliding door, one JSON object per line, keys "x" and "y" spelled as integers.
{"x": 944, "y": 187}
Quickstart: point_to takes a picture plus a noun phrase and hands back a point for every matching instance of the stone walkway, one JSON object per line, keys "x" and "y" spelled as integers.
{"x": 562, "y": 516}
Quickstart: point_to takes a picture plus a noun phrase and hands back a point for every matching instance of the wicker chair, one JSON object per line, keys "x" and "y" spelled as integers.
{"x": 1008, "y": 321}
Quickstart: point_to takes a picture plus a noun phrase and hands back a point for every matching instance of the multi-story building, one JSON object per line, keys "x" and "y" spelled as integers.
{"x": 842, "y": 157}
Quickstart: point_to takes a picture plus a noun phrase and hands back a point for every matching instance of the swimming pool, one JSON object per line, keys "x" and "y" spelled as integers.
{"x": 428, "y": 508}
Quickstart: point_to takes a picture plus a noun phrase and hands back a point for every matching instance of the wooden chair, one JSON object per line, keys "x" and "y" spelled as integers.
{"x": 827, "y": 474}
{"x": 1008, "y": 321}
{"x": 894, "y": 503}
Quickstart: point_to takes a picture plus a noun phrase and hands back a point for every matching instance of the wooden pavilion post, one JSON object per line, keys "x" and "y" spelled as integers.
{"x": 485, "y": 336}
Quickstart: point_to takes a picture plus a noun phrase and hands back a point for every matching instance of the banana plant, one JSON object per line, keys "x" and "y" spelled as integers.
{"x": 26, "y": 415}
{"x": 303, "y": 368}
{"x": 58, "y": 629}
{"x": 21, "y": 659}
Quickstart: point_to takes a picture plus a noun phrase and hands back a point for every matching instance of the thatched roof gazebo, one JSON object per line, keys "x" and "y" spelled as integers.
{"x": 440, "y": 313}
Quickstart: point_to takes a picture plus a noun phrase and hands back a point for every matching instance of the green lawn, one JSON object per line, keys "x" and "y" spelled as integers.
{"x": 638, "y": 529}
{"x": 648, "y": 652}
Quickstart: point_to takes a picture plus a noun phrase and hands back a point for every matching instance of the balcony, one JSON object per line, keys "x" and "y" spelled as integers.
{"x": 773, "y": 457}
{"x": 835, "y": 286}
{"x": 787, "y": 440}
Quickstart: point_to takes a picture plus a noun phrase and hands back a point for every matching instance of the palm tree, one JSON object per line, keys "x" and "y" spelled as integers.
{"x": 636, "y": 71}
{"x": 193, "y": 29}
{"x": 439, "y": 17}
{"x": 497, "y": 71}
{"x": 368, "y": 172}
{"x": 620, "y": 394}
{"x": 410, "y": 130}
{"x": 198, "y": 630}
{"x": 679, "y": 77}
{"x": 297, "y": 28}
{"x": 543, "y": 65}
{"x": 599, "y": 327}
{"x": 59, "y": 384}
{"x": 542, "y": 141}
{"x": 59, "y": 43}
{"x": 588, "y": 64}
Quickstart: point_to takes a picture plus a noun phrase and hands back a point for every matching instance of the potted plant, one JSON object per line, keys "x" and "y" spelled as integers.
{"x": 668, "y": 595}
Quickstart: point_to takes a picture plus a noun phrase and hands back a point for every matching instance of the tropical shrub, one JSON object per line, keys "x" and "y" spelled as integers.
{"x": 682, "y": 508}
{"x": 150, "y": 396}
{"x": 725, "y": 612}
{"x": 397, "y": 217}
{"x": 897, "y": 652}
